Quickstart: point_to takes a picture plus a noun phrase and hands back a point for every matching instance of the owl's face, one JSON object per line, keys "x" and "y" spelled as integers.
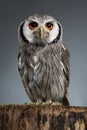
{"x": 40, "y": 29}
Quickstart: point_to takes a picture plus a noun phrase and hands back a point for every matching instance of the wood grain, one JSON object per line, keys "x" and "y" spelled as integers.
{"x": 42, "y": 117}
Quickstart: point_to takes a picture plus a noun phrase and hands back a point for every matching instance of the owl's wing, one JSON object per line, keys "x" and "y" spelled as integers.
{"x": 23, "y": 68}
{"x": 65, "y": 60}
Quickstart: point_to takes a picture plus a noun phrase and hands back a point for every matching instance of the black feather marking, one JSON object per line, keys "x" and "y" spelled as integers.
{"x": 58, "y": 37}
{"x": 22, "y": 35}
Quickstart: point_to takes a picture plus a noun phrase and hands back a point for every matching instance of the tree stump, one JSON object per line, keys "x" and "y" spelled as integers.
{"x": 42, "y": 117}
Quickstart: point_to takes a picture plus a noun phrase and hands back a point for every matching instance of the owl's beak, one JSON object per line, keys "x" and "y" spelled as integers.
{"x": 41, "y": 32}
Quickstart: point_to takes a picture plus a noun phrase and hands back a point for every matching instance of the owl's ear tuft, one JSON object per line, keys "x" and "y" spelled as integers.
{"x": 21, "y": 36}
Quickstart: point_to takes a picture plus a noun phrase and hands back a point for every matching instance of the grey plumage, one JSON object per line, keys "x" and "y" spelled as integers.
{"x": 44, "y": 66}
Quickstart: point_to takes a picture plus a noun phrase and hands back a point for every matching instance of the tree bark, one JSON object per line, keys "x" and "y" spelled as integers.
{"x": 42, "y": 117}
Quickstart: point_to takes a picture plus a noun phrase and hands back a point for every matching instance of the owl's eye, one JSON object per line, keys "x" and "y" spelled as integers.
{"x": 33, "y": 25}
{"x": 49, "y": 26}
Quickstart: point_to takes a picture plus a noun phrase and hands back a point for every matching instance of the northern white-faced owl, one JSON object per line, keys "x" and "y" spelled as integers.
{"x": 43, "y": 60}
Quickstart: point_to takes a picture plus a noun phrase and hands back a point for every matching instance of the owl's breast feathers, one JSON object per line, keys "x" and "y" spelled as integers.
{"x": 46, "y": 68}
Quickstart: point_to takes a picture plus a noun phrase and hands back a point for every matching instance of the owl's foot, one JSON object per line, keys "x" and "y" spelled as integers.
{"x": 39, "y": 101}
{"x": 49, "y": 101}
{"x": 56, "y": 103}
{"x": 29, "y": 103}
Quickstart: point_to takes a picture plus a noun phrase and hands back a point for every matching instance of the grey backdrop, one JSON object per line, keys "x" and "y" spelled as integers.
{"x": 73, "y": 17}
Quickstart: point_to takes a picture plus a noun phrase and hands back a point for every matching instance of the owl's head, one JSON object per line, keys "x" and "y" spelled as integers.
{"x": 40, "y": 30}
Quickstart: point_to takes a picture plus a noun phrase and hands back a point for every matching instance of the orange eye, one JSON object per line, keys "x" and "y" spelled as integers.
{"x": 49, "y": 26}
{"x": 33, "y": 25}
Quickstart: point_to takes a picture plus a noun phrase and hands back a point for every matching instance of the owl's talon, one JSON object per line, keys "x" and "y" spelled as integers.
{"x": 27, "y": 103}
{"x": 39, "y": 101}
{"x": 48, "y": 102}
{"x": 56, "y": 103}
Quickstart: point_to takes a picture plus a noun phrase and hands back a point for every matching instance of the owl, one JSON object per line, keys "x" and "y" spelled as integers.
{"x": 43, "y": 60}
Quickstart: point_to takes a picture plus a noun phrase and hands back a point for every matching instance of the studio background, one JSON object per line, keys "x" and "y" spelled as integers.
{"x": 73, "y": 17}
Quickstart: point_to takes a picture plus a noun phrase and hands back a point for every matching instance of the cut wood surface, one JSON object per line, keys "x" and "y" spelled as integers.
{"x": 42, "y": 117}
